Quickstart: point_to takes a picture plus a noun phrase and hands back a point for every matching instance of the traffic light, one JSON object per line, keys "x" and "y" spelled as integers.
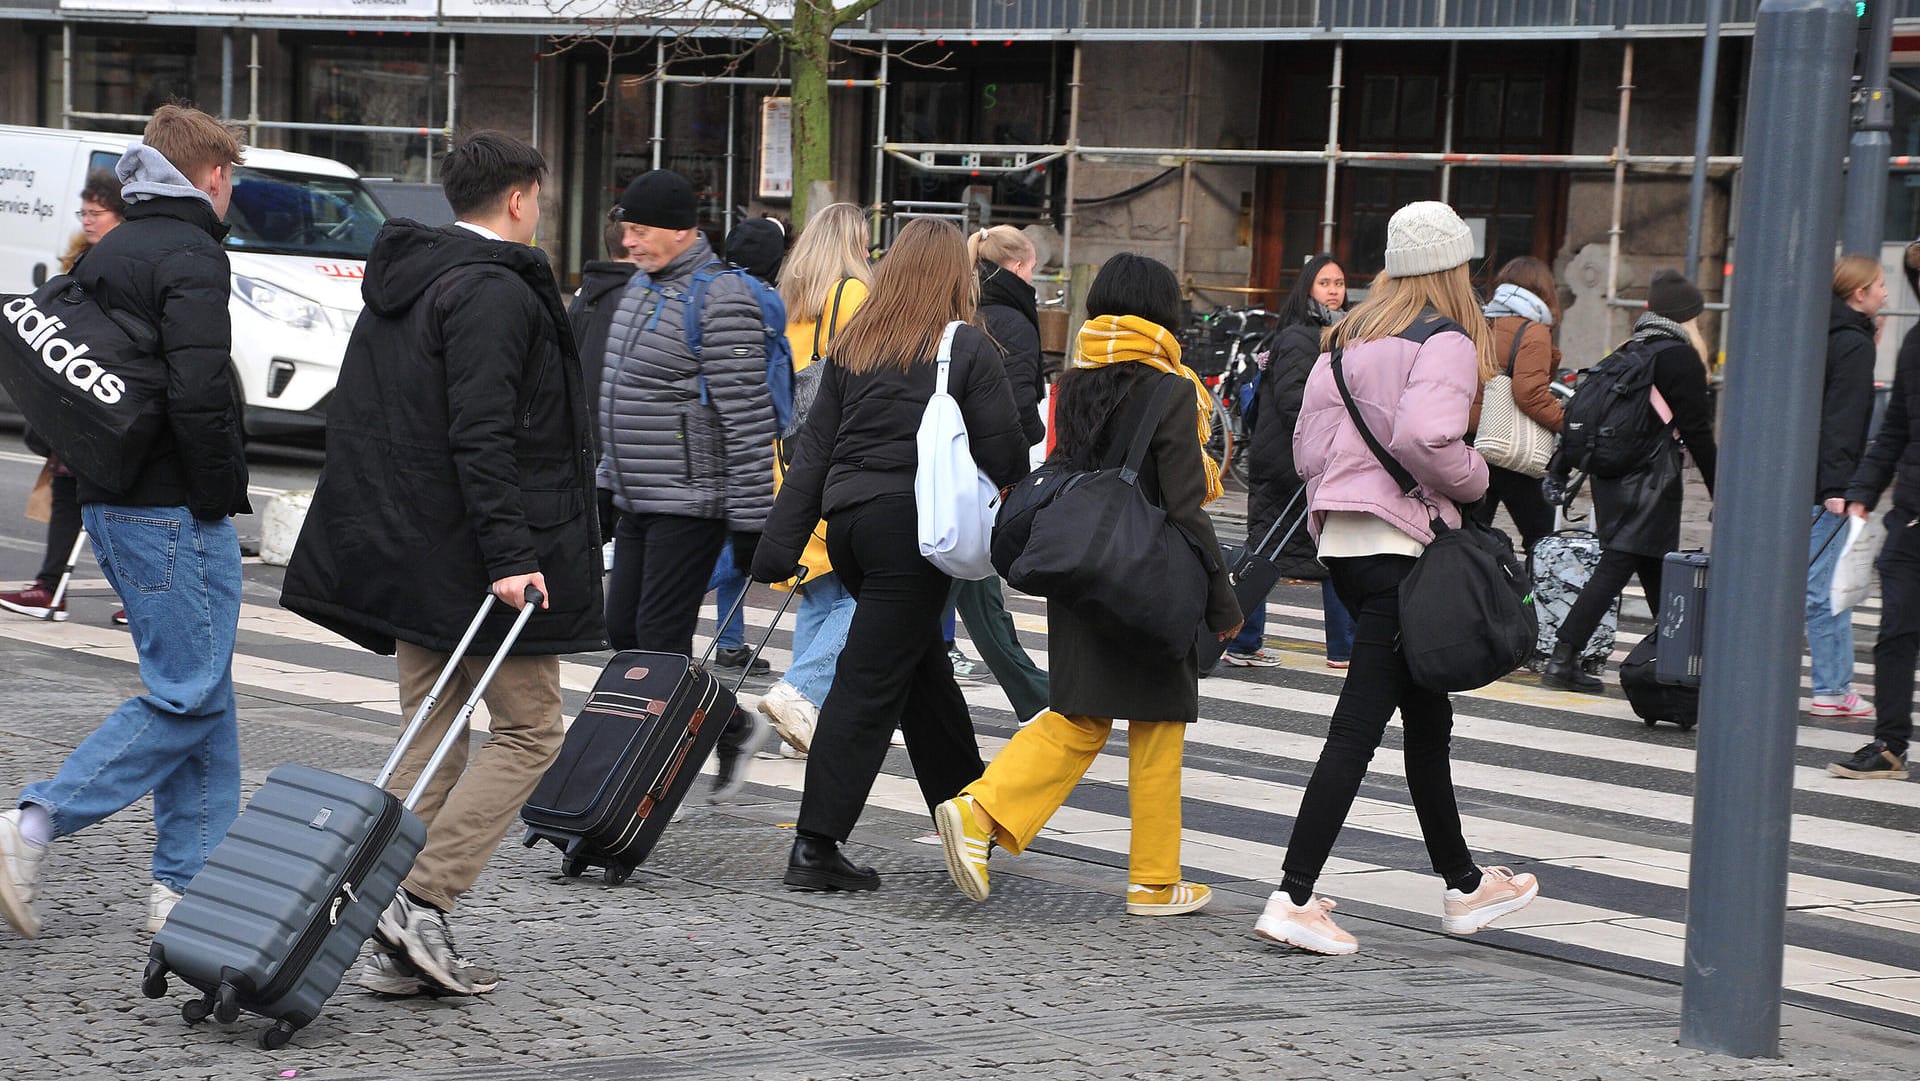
{"x": 1859, "y": 9}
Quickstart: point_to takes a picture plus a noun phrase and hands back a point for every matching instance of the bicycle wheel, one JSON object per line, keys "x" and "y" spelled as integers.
{"x": 1220, "y": 440}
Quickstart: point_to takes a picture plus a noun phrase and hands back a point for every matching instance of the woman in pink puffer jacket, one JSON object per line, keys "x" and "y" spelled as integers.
{"x": 1414, "y": 356}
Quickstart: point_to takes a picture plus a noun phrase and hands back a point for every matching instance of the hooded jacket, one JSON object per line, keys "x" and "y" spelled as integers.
{"x": 458, "y": 454}
{"x": 165, "y": 265}
{"x": 1846, "y": 400}
{"x": 1010, "y": 315}
{"x": 1640, "y": 512}
{"x": 1272, "y": 479}
{"x": 590, "y": 314}
{"x": 683, "y": 435}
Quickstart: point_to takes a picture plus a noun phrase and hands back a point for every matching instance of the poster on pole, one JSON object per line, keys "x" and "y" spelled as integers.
{"x": 776, "y": 148}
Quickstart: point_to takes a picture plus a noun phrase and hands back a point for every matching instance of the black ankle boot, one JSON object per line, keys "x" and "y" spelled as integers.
{"x": 1563, "y": 671}
{"x": 816, "y": 864}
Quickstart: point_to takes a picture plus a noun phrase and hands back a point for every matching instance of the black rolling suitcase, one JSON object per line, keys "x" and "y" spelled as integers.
{"x": 1253, "y": 573}
{"x": 631, "y": 756}
{"x": 1652, "y": 700}
{"x": 1682, "y": 624}
{"x": 287, "y": 899}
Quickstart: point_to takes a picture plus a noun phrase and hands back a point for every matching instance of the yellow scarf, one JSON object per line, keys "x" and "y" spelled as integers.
{"x": 1121, "y": 339}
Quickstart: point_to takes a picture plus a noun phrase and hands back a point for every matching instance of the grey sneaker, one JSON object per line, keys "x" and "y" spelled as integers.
{"x": 160, "y": 902}
{"x": 419, "y": 933}
{"x": 731, "y": 762}
{"x": 390, "y": 974}
{"x": 19, "y": 876}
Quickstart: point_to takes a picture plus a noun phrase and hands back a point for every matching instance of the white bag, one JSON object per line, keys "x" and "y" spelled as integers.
{"x": 955, "y": 502}
{"x": 1508, "y": 437}
{"x": 1853, "y": 575}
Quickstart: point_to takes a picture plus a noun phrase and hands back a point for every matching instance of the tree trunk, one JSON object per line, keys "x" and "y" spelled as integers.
{"x": 809, "y": 51}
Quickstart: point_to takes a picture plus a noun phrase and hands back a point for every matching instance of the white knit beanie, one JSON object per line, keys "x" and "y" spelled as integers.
{"x": 1426, "y": 238}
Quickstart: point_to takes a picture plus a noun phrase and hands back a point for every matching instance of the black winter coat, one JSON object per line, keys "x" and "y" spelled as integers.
{"x": 1846, "y": 401}
{"x": 1093, "y": 672}
{"x": 1011, "y": 317}
{"x": 1273, "y": 481}
{"x": 1640, "y": 512}
{"x": 457, "y": 454}
{"x": 165, "y": 265}
{"x": 590, "y": 314}
{"x": 859, "y": 442}
{"x": 1894, "y": 455}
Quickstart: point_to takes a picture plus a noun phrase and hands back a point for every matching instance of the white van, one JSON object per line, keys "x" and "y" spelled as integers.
{"x": 301, "y": 230}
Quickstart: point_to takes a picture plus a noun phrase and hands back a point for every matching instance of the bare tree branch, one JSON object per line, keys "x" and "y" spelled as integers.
{"x": 853, "y": 11}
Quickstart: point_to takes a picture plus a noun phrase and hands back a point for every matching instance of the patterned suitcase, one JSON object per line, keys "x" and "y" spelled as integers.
{"x": 287, "y": 899}
{"x": 1560, "y": 565}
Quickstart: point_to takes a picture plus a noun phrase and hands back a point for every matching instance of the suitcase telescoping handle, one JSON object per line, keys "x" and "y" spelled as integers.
{"x": 1260, "y": 549}
{"x": 458, "y": 729}
{"x": 747, "y": 669}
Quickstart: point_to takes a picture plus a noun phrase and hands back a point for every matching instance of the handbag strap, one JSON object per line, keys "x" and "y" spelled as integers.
{"x": 1143, "y": 427}
{"x": 944, "y": 358}
{"x": 1513, "y": 354}
{"x": 832, "y": 321}
{"x": 1387, "y": 461}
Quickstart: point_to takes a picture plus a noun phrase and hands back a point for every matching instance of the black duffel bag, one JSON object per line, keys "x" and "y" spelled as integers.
{"x": 89, "y": 381}
{"x": 1466, "y": 608}
{"x": 1094, "y": 543}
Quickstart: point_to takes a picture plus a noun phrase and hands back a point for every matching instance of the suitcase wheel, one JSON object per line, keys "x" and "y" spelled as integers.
{"x": 195, "y": 1010}
{"x": 1686, "y": 726}
{"x": 226, "y": 1007}
{"x": 275, "y": 1038}
{"x": 573, "y": 866}
{"x": 615, "y": 874}
{"x": 154, "y": 983}
{"x": 1652, "y": 722}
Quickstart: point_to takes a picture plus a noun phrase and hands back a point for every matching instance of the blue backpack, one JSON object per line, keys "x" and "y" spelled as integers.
{"x": 773, "y": 319}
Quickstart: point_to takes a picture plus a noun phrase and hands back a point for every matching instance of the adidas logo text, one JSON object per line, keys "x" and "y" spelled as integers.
{"x": 40, "y": 331}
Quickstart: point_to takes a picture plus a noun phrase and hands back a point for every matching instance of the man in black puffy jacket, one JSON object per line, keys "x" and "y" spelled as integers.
{"x": 459, "y": 462}
{"x": 165, "y": 542}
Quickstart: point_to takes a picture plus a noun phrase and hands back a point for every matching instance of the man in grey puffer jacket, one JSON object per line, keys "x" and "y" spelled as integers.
{"x": 686, "y": 441}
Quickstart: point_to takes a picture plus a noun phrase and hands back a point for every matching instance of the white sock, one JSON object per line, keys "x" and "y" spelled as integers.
{"x": 36, "y": 825}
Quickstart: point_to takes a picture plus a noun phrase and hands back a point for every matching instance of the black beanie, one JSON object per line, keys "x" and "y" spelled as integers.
{"x": 1671, "y": 295}
{"x": 661, "y": 198}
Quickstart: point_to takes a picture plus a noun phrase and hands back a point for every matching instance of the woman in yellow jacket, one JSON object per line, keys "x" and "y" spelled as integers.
{"x": 823, "y": 283}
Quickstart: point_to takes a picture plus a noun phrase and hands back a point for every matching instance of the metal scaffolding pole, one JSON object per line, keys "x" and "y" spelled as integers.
{"x": 1073, "y": 156}
{"x": 253, "y": 88}
{"x": 1333, "y": 146}
{"x": 1702, "y": 133}
{"x": 1185, "y": 225}
{"x": 879, "y": 147}
{"x": 66, "y": 75}
{"x": 732, "y": 106}
{"x": 1619, "y": 179}
{"x": 659, "y": 96}
{"x": 226, "y": 73}
{"x": 1446, "y": 137}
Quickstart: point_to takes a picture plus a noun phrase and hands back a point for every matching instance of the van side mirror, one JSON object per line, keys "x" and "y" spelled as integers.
{"x": 39, "y": 275}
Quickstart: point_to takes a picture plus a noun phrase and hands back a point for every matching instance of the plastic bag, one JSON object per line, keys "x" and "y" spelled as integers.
{"x": 1853, "y": 574}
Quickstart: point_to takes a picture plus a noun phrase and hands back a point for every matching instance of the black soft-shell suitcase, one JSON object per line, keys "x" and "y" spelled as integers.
{"x": 1252, "y": 571}
{"x": 287, "y": 899}
{"x": 631, "y": 756}
{"x": 1652, "y": 700}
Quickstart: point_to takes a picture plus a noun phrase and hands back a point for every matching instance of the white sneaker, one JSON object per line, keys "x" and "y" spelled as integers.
{"x": 160, "y": 902}
{"x": 1259, "y": 658}
{"x": 19, "y": 876}
{"x": 788, "y": 750}
{"x": 419, "y": 933}
{"x": 792, "y": 715}
{"x": 1309, "y": 926}
{"x": 1848, "y": 706}
{"x": 1501, "y": 891}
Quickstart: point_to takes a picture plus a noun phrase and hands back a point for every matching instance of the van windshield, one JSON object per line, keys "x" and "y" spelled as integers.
{"x": 300, "y": 214}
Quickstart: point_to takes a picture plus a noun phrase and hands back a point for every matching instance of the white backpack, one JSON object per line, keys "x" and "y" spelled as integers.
{"x": 955, "y": 500}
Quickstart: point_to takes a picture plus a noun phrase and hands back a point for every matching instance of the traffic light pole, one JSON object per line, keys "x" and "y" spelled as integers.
{"x": 1872, "y": 144}
{"x": 1737, "y": 884}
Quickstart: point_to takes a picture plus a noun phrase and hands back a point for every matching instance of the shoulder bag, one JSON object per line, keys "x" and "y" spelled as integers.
{"x": 1466, "y": 608}
{"x": 954, "y": 500}
{"x": 1508, "y": 438}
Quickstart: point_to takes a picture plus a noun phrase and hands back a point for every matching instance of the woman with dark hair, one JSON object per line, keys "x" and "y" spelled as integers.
{"x": 1318, "y": 301}
{"x": 855, "y": 467}
{"x": 1123, "y": 354}
{"x": 1525, "y": 304}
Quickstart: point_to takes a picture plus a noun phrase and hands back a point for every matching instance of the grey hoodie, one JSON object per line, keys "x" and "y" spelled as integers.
{"x": 145, "y": 173}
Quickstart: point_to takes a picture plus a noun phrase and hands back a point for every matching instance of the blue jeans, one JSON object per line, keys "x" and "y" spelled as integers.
{"x": 1253, "y": 632}
{"x": 820, "y": 632}
{"x": 726, "y": 585}
{"x": 179, "y": 578}
{"x": 1829, "y": 634}
{"x": 1339, "y": 623}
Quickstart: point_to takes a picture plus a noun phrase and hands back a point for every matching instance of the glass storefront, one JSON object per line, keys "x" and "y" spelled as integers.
{"x": 395, "y": 82}
{"x": 131, "y": 71}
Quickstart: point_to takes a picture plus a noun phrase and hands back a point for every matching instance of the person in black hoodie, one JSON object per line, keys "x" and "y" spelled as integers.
{"x": 459, "y": 462}
{"x": 165, "y": 542}
{"x": 855, "y": 466}
{"x": 1639, "y": 513}
{"x": 1893, "y": 457}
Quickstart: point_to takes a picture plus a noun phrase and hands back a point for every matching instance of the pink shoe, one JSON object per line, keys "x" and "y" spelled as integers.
{"x": 1847, "y": 706}
{"x": 1501, "y": 891}
{"x": 1309, "y": 926}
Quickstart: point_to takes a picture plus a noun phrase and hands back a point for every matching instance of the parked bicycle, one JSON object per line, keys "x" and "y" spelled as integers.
{"x": 1222, "y": 346}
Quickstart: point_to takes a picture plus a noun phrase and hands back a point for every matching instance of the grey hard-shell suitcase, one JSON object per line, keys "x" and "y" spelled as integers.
{"x": 285, "y": 902}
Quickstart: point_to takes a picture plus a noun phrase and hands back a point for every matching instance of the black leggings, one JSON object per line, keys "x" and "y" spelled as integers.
{"x": 62, "y": 530}
{"x": 1609, "y": 578}
{"x": 1376, "y": 685}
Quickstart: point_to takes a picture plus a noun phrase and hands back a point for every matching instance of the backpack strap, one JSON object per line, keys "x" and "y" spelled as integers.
{"x": 696, "y": 305}
{"x": 1428, "y": 323}
{"x": 832, "y": 320}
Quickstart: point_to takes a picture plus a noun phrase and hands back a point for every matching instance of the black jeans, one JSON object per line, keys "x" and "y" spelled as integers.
{"x": 1376, "y": 685}
{"x": 893, "y": 673}
{"x": 1898, "y": 645}
{"x": 1524, "y": 500}
{"x": 1609, "y": 578}
{"x": 63, "y": 528}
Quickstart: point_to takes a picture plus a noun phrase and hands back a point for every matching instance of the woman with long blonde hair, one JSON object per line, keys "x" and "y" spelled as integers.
{"x": 1413, "y": 357}
{"x": 855, "y": 466}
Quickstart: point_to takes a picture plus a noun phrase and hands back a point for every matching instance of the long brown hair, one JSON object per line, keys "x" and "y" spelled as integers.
{"x": 924, "y": 282}
{"x": 1535, "y": 277}
{"x": 1393, "y": 304}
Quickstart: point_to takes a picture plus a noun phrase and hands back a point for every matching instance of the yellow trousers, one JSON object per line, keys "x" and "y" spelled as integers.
{"x": 1033, "y": 775}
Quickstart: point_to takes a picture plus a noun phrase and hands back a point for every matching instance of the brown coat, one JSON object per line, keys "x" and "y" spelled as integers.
{"x": 1533, "y": 370}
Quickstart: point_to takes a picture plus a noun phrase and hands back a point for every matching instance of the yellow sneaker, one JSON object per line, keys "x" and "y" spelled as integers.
{"x": 1175, "y": 900}
{"x": 966, "y": 844}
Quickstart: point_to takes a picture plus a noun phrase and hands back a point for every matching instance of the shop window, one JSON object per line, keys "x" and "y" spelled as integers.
{"x": 386, "y": 84}
{"x": 131, "y": 73}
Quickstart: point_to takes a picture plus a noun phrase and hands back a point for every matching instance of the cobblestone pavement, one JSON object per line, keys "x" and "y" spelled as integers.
{"x": 703, "y": 966}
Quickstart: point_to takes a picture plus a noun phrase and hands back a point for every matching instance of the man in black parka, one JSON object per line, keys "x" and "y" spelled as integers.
{"x": 459, "y": 462}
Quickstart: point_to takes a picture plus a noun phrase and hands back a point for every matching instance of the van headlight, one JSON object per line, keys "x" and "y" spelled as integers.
{"x": 277, "y": 303}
